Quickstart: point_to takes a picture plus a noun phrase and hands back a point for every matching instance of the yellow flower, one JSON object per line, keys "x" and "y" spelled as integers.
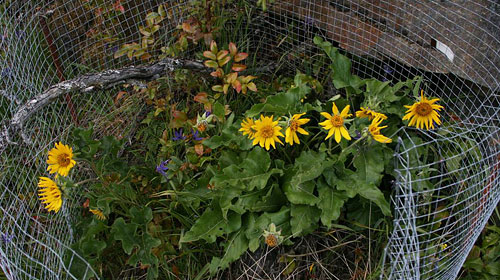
{"x": 98, "y": 213}
{"x": 370, "y": 114}
{"x": 423, "y": 113}
{"x": 335, "y": 123}
{"x": 49, "y": 194}
{"x": 294, "y": 127}
{"x": 267, "y": 132}
{"x": 375, "y": 131}
{"x": 246, "y": 127}
{"x": 60, "y": 159}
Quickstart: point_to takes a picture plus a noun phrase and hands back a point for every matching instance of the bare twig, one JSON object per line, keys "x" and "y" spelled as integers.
{"x": 88, "y": 83}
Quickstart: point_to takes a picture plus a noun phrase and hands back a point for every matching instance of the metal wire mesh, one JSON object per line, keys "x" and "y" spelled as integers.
{"x": 453, "y": 45}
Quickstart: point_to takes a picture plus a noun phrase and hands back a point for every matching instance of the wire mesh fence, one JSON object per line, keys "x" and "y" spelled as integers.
{"x": 453, "y": 45}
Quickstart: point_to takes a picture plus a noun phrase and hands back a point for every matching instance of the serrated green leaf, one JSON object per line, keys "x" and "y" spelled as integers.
{"x": 369, "y": 164}
{"x": 125, "y": 233}
{"x": 304, "y": 219}
{"x": 330, "y": 204}
{"x": 141, "y": 215}
{"x": 212, "y": 225}
{"x": 301, "y": 192}
{"x": 234, "y": 248}
{"x": 252, "y": 172}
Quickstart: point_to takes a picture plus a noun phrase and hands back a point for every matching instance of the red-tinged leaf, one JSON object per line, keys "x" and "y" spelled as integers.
{"x": 211, "y": 64}
{"x": 118, "y": 7}
{"x": 201, "y": 98}
{"x": 247, "y": 79}
{"x": 252, "y": 87}
{"x": 186, "y": 27}
{"x": 218, "y": 88}
{"x": 217, "y": 73}
{"x": 222, "y": 54}
{"x": 198, "y": 148}
{"x": 86, "y": 203}
{"x": 146, "y": 56}
{"x": 213, "y": 47}
{"x": 209, "y": 54}
{"x": 244, "y": 89}
{"x": 240, "y": 56}
{"x": 232, "y": 49}
{"x": 231, "y": 77}
{"x": 238, "y": 67}
{"x": 225, "y": 88}
{"x": 119, "y": 96}
{"x": 224, "y": 61}
{"x": 237, "y": 86}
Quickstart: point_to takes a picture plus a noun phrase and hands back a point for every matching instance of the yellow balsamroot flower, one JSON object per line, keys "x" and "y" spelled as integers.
{"x": 370, "y": 114}
{"x": 374, "y": 129}
{"x": 335, "y": 123}
{"x": 423, "y": 112}
{"x": 246, "y": 127}
{"x": 98, "y": 213}
{"x": 267, "y": 132}
{"x": 294, "y": 127}
{"x": 60, "y": 159}
{"x": 49, "y": 194}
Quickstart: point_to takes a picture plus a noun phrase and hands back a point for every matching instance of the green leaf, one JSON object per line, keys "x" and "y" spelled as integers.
{"x": 299, "y": 183}
{"x": 144, "y": 256}
{"x": 125, "y": 233}
{"x": 219, "y": 111}
{"x": 234, "y": 248}
{"x": 256, "y": 225}
{"x": 369, "y": 164}
{"x": 304, "y": 219}
{"x": 330, "y": 204}
{"x": 493, "y": 268}
{"x": 142, "y": 215}
{"x": 230, "y": 136}
{"x": 284, "y": 102}
{"x": 89, "y": 244}
{"x": 252, "y": 172}
{"x": 211, "y": 225}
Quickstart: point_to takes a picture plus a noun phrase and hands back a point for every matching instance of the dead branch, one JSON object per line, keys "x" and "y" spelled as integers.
{"x": 88, "y": 83}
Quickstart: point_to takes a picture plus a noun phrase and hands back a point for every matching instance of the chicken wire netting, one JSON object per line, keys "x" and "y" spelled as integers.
{"x": 453, "y": 45}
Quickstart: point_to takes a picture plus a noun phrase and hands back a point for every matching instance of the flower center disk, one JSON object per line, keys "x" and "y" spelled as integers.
{"x": 424, "y": 109}
{"x": 267, "y": 131}
{"x": 337, "y": 121}
{"x": 63, "y": 160}
{"x": 294, "y": 125}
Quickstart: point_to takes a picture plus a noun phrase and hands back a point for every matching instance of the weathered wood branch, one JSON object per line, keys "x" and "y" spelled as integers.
{"x": 87, "y": 83}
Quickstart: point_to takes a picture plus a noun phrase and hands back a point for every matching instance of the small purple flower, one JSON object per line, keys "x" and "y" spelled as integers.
{"x": 207, "y": 113}
{"x": 196, "y": 136}
{"x": 162, "y": 167}
{"x": 19, "y": 34}
{"x": 6, "y": 238}
{"x": 178, "y": 135}
{"x": 388, "y": 69}
{"x": 309, "y": 21}
{"x": 358, "y": 135}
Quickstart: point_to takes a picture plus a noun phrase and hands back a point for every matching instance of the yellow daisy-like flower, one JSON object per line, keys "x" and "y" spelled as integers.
{"x": 246, "y": 127}
{"x": 294, "y": 127}
{"x": 335, "y": 123}
{"x": 423, "y": 112}
{"x": 374, "y": 129}
{"x": 60, "y": 159}
{"x": 98, "y": 213}
{"x": 49, "y": 194}
{"x": 267, "y": 132}
{"x": 370, "y": 114}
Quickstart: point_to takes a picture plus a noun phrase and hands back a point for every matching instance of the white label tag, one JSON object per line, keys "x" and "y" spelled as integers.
{"x": 446, "y": 50}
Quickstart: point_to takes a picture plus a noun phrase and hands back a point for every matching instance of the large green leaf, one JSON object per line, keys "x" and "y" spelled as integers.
{"x": 229, "y": 136}
{"x": 144, "y": 256}
{"x": 141, "y": 215}
{"x": 369, "y": 164}
{"x": 125, "y": 233}
{"x": 211, "y": 225}
{"x": 304, "y": 219}
{"x": 252, "y": 172}
{"x": 331, "y": 202}
{"x": 299, "y": 184}
{"x": 256, "y": 225}
{"x": 234, "y": 248}
{"x": 284, "y": 102}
